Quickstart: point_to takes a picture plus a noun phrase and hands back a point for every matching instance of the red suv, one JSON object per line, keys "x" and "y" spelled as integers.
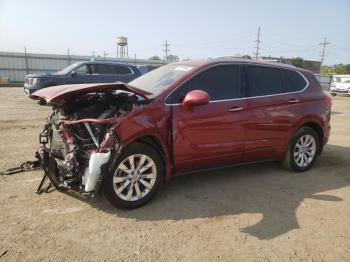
{"x": 189, "y": 116}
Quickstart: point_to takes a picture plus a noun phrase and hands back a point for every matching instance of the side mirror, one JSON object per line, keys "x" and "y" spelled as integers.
{"x": 195, "y": 98}
{"x": 73, "y": 73}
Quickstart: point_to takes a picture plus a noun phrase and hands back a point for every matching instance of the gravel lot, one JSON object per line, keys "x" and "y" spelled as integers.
{"x": 251, "y": 213}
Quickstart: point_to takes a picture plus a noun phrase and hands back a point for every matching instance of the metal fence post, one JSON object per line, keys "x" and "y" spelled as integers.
{"x": 26, "y": 59}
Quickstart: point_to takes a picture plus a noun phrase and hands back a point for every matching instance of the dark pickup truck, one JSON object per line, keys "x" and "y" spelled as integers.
{"x": 83, "y": 72}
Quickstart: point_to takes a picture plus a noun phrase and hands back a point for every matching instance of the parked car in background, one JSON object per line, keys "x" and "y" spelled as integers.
{"x": 181, "y": 118}
{"x": 83, "y": 72}
{"x": 146, "y": 68}
{"x": 341, "y": 88}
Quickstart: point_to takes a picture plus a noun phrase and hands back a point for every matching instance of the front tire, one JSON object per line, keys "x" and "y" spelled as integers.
{"x": 136, "y": 178}
{"x": 302, "y": 150}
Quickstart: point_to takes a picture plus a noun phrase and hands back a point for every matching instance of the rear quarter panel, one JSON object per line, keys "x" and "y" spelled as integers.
{"x": 314, "y": 110}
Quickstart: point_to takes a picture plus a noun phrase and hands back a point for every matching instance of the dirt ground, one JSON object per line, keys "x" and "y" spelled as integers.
{"x": 251, "y": 213}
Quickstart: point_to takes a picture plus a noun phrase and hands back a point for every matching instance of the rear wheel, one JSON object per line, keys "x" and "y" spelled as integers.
{"x": 302, "y": 150}
{"x": 137, "y": 176}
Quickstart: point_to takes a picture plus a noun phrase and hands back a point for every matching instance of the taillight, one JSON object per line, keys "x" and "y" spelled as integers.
{"x": 329, "y": 101}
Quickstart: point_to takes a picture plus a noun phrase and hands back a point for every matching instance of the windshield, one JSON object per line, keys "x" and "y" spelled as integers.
{"x": 158, "y": 79}
{"x": 67, "y": 69}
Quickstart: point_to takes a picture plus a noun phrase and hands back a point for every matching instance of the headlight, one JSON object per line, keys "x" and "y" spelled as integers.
{"x": 36, "y": 81}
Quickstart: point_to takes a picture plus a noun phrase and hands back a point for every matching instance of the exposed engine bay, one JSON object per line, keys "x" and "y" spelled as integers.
{"x": 79, "y": 143}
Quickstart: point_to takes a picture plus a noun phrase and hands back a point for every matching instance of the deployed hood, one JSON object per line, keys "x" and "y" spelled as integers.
{"x": 59, "y": 95}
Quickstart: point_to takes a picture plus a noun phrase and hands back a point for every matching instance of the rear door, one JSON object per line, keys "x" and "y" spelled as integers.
{"x": 209, "y": 135}
{"x": 272, "y": 110}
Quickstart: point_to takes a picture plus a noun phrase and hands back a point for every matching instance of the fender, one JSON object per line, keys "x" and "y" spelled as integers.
{"x": 149, "y": 120}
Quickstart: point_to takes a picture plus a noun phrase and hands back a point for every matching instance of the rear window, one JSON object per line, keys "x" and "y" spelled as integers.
{"x": 264, "y": 81}
{"x": 292, "y": 81}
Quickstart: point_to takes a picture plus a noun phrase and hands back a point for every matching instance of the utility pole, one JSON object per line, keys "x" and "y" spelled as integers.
{"x": 104, "y": 55}
{"x": 26, "y": 59}
{"x": 257, "y": 45}
{"x": 324, "y": 49}
{"x": 166, "y": 50}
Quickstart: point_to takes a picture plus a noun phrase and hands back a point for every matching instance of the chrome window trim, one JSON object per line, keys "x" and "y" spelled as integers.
{"x": 241, "y": 98}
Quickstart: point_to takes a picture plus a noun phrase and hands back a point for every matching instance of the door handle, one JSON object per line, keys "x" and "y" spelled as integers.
{"x": 293, "y": 101}
{"x": 235, "y": 109}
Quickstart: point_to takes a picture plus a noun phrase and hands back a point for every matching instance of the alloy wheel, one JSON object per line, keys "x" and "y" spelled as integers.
{"x": 135, "y": 177}
{"x": 305, "y": 150}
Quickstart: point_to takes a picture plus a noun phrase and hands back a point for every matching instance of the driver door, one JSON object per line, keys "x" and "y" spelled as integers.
{"x": 209, "y": 135}
{"x": 80, "y": 76}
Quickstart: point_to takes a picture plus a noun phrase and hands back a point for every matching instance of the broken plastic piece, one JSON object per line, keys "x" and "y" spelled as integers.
{"x": 93, "y": 171}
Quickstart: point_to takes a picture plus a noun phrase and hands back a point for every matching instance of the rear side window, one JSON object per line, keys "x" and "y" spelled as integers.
{"x": 292, "y": 81}
{"x": 221, "y": 83}
{"x": 264, "y": 81}
{"x": 122, "y": 70}
{"x": 113, "y": 69}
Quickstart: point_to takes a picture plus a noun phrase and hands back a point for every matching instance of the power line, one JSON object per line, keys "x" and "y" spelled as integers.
{"x": 324, "y": 49}
{"x": 257, "y": 45}
{"x": 166, "y": 50}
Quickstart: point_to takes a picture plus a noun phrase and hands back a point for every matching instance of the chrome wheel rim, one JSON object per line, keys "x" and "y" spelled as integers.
{"x": 305, "y": 150}
{"x": 135, "y": 177}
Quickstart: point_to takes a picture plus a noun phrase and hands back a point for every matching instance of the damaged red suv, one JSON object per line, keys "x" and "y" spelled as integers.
{"x": 127, "y": 139}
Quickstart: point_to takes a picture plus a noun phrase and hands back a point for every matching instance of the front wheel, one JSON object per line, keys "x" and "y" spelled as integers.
{"x": 137, "y": 176}
{"x": 302, "y": 150}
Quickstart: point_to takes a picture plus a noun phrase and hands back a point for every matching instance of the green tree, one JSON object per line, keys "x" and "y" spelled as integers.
{"x": 172, "y": 58}
{"x": 339, "y": 69}
{"x": 155, "y": 57}
{"x": 298, "y": 62}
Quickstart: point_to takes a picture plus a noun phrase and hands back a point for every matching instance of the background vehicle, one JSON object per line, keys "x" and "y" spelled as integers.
{"x": 341, "y": 88}
{"x": 181, "y": 118}
{"x": 83, "y": 72}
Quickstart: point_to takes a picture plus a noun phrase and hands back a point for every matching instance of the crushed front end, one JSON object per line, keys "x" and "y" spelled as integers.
{"x": 79, "y": 145}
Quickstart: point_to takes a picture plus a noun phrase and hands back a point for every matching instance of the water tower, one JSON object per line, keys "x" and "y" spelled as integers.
{"x": 122, "y": 47}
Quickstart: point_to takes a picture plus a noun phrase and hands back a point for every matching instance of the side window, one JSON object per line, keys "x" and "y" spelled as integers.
{"x": 122, "y": 70}
{"x": 292, "y": 81}
{"x": 81, "y": 70}
{"x": 104, "y": 69}
{"x": 264, "y": 81}
{"x": 222, "y": 82}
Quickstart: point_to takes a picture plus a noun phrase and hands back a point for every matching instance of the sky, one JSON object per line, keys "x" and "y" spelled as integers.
{"x": 194, "y": 29}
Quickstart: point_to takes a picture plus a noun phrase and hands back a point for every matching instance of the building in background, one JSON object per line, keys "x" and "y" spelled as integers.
{"x": 313, "y": 66}
{"x": 15, "y": 66}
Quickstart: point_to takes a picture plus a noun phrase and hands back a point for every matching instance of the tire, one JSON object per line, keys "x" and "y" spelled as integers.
{"x": 300, "y": 157}
{"x": 333, "y": 94}
{"x": 144, "y": 180}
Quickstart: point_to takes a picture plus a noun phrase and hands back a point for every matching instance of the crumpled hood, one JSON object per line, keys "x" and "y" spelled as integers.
{"x": 59, "y": 95}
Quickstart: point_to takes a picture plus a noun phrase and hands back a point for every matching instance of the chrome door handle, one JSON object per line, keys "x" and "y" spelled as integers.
{"x": 235, "y": 109}
{"x": 293, "y": 101}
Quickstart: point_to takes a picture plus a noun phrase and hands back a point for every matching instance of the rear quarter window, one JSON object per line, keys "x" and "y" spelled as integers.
{"x": 292, "y": 81}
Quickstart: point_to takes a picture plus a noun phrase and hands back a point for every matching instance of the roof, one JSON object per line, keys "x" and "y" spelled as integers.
{"x": 204, "y": 62}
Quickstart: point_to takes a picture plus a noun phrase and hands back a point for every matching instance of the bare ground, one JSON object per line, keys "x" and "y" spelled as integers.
{"x": 250, "y": 213}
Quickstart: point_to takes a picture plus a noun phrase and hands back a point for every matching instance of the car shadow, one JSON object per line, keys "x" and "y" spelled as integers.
{"x": 260, "y": 188}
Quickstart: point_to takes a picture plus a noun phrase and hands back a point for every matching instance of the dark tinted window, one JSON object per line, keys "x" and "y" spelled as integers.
{"x": 122, "y": 70}
{"x": 292, "y": 81}
{"x": 111, "y": 69}
{"x": 264, "y": 81}
{"x": 222, "y": 82}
